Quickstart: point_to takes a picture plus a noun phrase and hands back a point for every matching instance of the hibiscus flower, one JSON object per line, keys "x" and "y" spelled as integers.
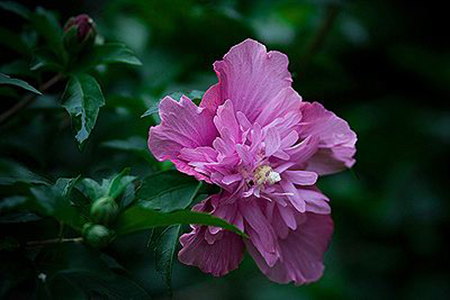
{"x": 253, "y": 136}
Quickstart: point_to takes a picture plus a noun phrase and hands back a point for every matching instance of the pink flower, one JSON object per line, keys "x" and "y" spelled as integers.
{"x": 254, "y": 136}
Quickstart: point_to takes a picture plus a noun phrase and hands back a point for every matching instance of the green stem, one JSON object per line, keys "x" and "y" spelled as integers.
{"x": 53, "y": 241}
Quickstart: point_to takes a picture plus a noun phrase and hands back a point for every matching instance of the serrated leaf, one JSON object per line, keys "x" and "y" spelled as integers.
{"x": 164, "y": 250}
{"x": 16, "y": 8}
{"x": 82, "y": 99}
{"x": 168, "y": 191}
{"x": 140, "y": 218}
{"x": 5, "y": 79}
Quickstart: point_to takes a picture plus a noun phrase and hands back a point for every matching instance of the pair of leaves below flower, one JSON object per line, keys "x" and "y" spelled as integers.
{"x": 5, "y": 79}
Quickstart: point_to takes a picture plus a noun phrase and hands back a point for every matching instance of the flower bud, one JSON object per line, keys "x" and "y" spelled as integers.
{"x": 79, "y": 33}
{"x": 97, "y": 235}
{"x": 104, "y": 210}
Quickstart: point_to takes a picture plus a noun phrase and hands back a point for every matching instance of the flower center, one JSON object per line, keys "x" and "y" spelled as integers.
{"x": 265, "y": 174}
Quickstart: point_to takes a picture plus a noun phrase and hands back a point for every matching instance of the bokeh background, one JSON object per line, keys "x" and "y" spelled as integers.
{"x": 382, "y": 65}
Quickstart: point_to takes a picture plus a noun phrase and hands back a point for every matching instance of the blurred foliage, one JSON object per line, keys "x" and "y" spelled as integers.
{"x": 382, "y": 65}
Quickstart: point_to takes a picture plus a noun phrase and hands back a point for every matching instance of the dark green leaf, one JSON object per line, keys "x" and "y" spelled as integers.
{"x": 151, "y": 111}
{"x": 55, "y": 201}
{"x": 21, "y": 217}
{"x": 194, "y": 95}
{"x": 168, "y": 191}
{"x": 88, "y": 271}
{"x": 5, "y": 79}
{"x": 139, "y": 218}
{"x": 83, "y": 99}
{"x": 12, "y": 172}
{"x": 48, "y": 27}
{"x": 45, "y": 59}
{"x": 16, "y": 8}
{"x": 118, "y": 183}
{"x": 134, "y": 144}
{"x": 112, "y": 187}
{"x": 12, "y": 202}
{"x": 13, "y": 41}
{"x": 91, "y": 189}
{"x": 108, "y": 54}
{"x": 165, "y": 247}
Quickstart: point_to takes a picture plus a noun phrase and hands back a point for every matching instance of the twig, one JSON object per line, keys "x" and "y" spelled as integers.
{"x": 318, "y": 40}
{"x": 27, "y": 100}
{"x": 53, "y": 241}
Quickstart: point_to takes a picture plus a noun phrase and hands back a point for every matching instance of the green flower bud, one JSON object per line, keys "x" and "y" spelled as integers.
{"x": 79, "y": 33}
{"x": 97, "y": 235}
{"x": 104, "y": 210}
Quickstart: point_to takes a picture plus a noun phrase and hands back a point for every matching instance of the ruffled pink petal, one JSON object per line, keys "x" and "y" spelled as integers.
{"x": 218, "y": 258}
{"x": 250, "y": 77}
{"x": 227, "y": 124}
{"x": 287, "y": 100}
{"x": 183, "y": 125}
{"x": 259, "y": 230}
{"x": 336, "y": 146}
{"x": 301, "y": 252}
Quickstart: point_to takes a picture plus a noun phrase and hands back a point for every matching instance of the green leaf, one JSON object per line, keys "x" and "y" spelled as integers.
{"x": 45, "y": 59}
{"x": 88, "y": 271}
{"x": 151, "y": 111}
{"x": 5, "y": 79}
{"x": 140, "y": 218}
{"x": 20, "y": 217}
{"x": 55, "y": 201}
{"x": 134, "y": 144}
{"x": 48, "y": 27}
{"x": 168, "y": 191}
{"x": 119, "y": 183}
{"x": 16, "y": 8}
{"x": 13, "y": 41}
{"x": 165, "y": 247}
{"x": 12, "y": 202}
{"x": 82, "y": 99}
{"x": 12, "y": 172}
{"x": 195, "y": 95}
{"x": 108, "y": 54}
{"x": 112, "y": 187}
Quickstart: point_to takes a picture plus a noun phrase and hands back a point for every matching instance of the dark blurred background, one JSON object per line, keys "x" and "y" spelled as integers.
{"x": 382, "y": 65}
